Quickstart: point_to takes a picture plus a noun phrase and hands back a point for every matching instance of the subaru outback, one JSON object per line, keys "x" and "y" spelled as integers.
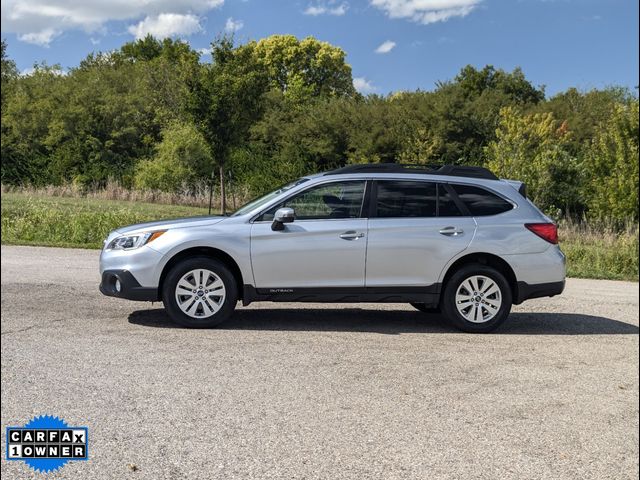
{"x": 453, "y": 239}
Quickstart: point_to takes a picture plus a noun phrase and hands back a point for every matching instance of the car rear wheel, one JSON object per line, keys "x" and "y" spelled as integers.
{"x": 477, "y": 299}
{"x": 199, "y": 292}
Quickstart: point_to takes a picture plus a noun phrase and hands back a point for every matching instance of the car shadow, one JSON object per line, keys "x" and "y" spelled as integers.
{"x": 393, "y": 322}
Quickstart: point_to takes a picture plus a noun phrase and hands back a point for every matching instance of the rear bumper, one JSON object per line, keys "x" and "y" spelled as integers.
{"x": 537, "y": 290}
{"x": 129, "y": 289}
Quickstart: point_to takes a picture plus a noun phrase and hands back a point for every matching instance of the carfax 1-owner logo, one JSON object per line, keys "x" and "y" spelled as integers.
{"x": 47, "y": 443}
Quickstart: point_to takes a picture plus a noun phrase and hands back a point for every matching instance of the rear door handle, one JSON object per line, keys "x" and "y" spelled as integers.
{"x": 451, "y": 231}
{"x": 351, "y": 235}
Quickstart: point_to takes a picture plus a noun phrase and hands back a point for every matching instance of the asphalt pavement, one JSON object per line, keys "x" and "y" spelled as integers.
{"x": 319, "y": 391}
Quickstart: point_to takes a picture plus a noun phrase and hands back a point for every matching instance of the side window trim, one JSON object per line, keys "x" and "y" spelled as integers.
{"x": 365, "y": 209}
{"x": 373, "y": 200}
{"x": 456, "y": 199}
{"x": 300, "y": 192}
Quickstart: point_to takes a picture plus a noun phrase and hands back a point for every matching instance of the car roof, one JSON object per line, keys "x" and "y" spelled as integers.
{"x": 440, "y": 170}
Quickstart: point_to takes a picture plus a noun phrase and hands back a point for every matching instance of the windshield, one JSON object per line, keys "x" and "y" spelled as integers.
{"x": 258, "y": 202}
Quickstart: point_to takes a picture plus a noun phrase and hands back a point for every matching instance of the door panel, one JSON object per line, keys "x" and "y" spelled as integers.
{"x": 413, "y": 251}
{"x": 309, "y": 253}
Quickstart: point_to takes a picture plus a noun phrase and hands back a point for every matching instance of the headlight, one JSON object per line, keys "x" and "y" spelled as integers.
{"x": 129, "y": 242}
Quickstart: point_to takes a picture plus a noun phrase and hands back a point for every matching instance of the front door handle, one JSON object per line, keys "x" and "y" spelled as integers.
{"x": 351, "y": 235}
{"x": 451, "y": 231}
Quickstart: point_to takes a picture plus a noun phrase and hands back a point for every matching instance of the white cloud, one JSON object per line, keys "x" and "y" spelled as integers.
{"x": 386, "y": 47}
{"x": 166, "y": 25}
{"x": 233, "y": 25}
{"x": 41, "y": 21}
{"x": 363, "y": 85}
{"x": 331, "y": 7}
{"x": 426, "y": 11}
{"x": 42, "y": 38}
{"x": 204, "y": 51}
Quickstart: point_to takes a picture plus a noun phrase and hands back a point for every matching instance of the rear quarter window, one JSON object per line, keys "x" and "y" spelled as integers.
{"x": 481, "y": 202}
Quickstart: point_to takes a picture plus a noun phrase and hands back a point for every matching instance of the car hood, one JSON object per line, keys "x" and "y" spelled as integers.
{"x": 171, "y": 223}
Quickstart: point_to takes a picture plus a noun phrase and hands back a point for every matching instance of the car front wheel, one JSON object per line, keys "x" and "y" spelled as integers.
{"x": 199, "y": 292}
{"x": 477, "y": 299}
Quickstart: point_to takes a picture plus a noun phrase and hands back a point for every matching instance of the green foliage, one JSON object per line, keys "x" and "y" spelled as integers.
{"x": 584, "y": 112}
{"x": 531, "y": 148}
{"x": 9, "y": 71}
{"x": 26, "y": 115}
{"x": 96, "y": 122}
{"x": 513, "y": 85}
{"x": 303, "y": 69}
{"x": 612, "y": 167}
{"x": 182, "y": 159}
{"x": 149, "y": 48}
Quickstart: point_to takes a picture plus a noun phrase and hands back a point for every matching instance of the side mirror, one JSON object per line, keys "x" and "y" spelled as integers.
{"x": 282, "y": 216}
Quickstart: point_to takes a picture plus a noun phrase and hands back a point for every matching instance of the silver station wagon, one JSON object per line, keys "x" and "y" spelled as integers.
{"x": 452, "y": 239}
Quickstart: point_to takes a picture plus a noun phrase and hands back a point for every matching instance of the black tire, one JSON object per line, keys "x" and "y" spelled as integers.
{"x": 182, "y": 268}
{"x": 423, "y": 308}
{"x": 448, "y": 301}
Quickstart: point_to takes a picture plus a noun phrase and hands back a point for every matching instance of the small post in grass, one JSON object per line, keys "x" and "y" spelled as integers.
{"x": 211, "y": 189}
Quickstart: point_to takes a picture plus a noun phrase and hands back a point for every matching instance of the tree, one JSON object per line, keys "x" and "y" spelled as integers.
{"x": 226, "y": 99}
{"x": 105, "y": 119}
{"x": 612, "y": 167}
{"x": 26, "y": 115}
{"x": 303, "y": 69}
{"x": 530, "y": 148}
{"x": 466, "y": 111}
{"x": 11, "y": 156}
{"x": 149, "y": 48}
{"x": 9, "y": 71}
{"x": 584, "y": 113}
{"x": 182, "y": 159}
{"x": 514, "y": 85}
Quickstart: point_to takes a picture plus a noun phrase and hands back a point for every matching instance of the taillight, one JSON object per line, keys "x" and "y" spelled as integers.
{"x": 546, "y": 231}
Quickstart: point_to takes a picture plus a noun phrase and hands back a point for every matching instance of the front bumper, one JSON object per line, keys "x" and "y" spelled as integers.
{"x": 129, "y": 288}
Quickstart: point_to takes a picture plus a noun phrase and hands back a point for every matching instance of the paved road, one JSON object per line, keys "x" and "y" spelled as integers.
{"x": 319, "y": 391}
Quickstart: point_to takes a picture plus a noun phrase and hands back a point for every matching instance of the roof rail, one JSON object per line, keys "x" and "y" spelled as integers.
{"x": 452, "y": 170}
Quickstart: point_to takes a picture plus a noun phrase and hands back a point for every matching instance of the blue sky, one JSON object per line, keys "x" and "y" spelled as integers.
{"x": 390, "y": 44}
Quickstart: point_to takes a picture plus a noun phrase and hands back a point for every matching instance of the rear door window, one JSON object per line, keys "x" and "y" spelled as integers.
{"x": 481, "y": 202}
{"x": 406, "y": 199}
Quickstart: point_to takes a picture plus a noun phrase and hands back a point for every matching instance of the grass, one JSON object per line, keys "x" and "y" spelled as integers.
{"x": 191, "y": 197}
{"x": 600, "y": 252}
{"x": 67, "y": 221}
{"x": 76, "y": 222}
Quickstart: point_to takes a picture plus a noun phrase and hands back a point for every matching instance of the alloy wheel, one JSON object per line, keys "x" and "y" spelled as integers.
{"x": 478, "y": 299}
{"x": 200, "y": 293}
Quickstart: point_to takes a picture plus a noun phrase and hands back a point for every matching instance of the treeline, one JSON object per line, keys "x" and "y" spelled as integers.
{"x": 151, "y": 115}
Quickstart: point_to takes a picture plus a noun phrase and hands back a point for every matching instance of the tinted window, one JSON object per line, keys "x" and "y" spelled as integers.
{"x": 480, "y": 201}
{"x": 406, "y": 199}
{"x": 332, "y": 200}
{"x": 446, "y": 205}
